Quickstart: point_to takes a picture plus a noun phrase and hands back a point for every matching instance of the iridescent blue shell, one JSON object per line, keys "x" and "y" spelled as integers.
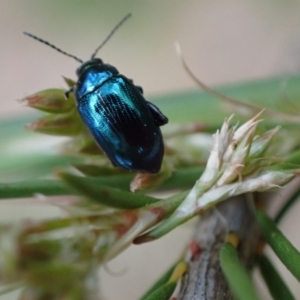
{"x": 122, "y": 122}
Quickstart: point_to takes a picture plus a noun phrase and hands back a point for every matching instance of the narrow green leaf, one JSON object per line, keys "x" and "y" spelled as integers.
{"x": 164, "y": 292}
{"x": 237, "y": 277}
{"x": 165, "y": 227}
{"x": 28, "y": 188}
{"x": 106, "y": 195}
{"x": 283, "y": 248}
{"x": 162, "y": 280}
{"x": 70, "y": 82}
{"x": 276, "y": 285}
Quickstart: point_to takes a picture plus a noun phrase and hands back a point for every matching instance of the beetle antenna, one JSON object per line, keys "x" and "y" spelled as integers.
{"x": 52, "y": 46}
{"x": 111, "y": 34}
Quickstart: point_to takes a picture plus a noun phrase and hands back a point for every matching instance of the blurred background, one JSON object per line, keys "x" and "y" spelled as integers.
{"x": 223, "y": 42}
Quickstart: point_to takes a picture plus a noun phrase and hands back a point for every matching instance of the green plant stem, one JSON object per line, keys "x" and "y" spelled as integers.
{"x": 276, "y": 285}
{"x": 237, "y": 277}
{"x": 283, "y": 248}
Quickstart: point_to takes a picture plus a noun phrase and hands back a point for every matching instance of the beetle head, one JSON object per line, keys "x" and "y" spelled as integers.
{"x": 88, "y": 64}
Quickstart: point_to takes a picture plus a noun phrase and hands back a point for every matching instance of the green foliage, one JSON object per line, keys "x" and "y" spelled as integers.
{"x": 237, "y": 277}
{"x": 275, "y": 283}
{"x": 106, "y": 217}
{"x": 284, "y": 249}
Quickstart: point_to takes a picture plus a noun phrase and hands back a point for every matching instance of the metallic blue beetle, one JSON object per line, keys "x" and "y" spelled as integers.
{"x": 114, "y": 110}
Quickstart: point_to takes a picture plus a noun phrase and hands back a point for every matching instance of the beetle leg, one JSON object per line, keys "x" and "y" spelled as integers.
{"x": 159, "y": 118}
{"x": 67, "y": 93}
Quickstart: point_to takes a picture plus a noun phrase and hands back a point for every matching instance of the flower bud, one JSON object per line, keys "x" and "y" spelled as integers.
{"x": 51, "y": 100}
